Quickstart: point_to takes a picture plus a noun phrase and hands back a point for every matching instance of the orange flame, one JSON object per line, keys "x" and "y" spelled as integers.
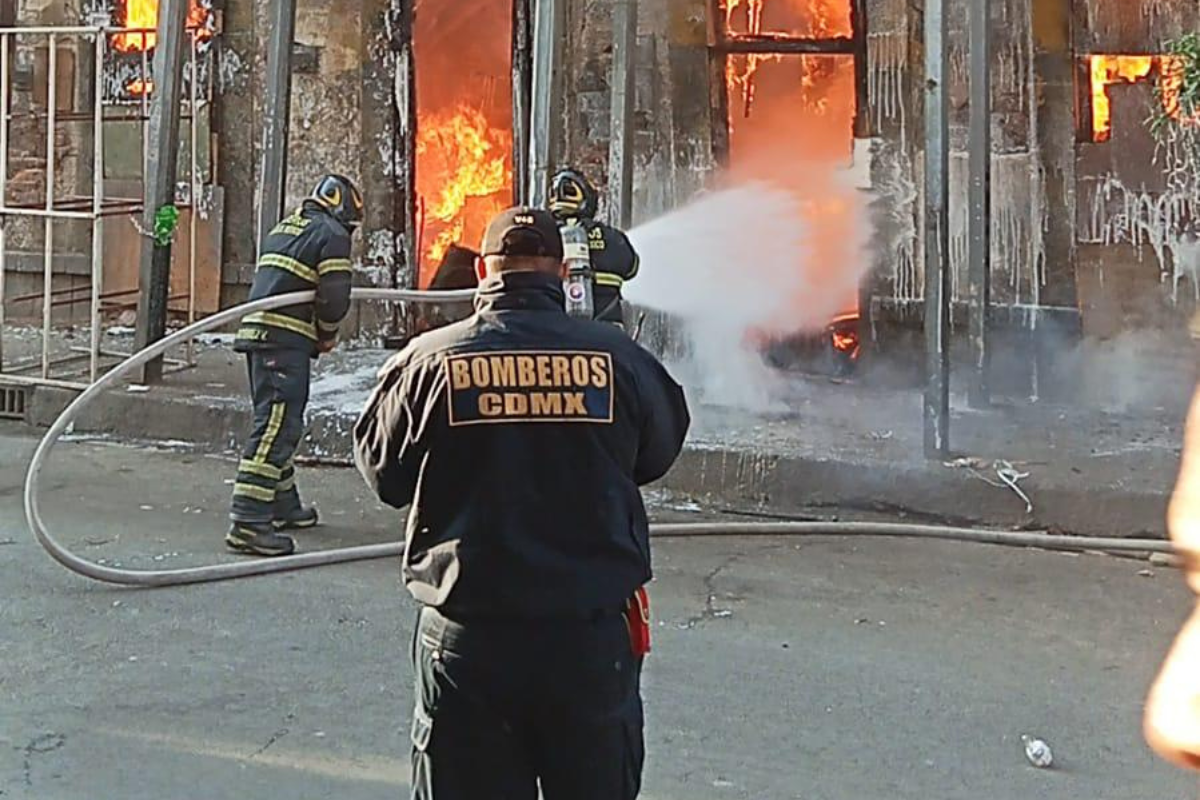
{"x": 141, "y": 17}
{"x": 846, "y": 341}
{"x": 791, "y": 122}
{"x": 138, "y": 87}
{"x": 1109, "y": 70}
{"x": 464, "y": 175}
{"x": 817, "y": 19}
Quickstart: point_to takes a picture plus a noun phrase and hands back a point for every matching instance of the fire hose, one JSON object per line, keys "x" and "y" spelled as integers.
{"x": 245, "y": 569}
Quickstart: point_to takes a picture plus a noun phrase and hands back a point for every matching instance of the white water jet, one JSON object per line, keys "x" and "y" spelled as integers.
{"x": 749, "y": 263}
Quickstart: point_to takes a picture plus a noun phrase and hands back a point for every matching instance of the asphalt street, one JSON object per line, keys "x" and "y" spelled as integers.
{"x": 824, "y": 669}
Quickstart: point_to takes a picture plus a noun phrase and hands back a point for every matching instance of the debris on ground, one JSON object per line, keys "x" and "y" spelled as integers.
{"x": 1037, "y": 751}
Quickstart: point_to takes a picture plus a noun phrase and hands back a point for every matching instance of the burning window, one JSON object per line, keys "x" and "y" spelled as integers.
{"x": 809, "y": 19}
{"x": 141, "y": 18}
{"x": 1111, "y": 70}
{"x": 804, "y": 103}
{"x": 131, "y": 63}
{"x": 791, "y": 123}
{"x": 464, "y": 123}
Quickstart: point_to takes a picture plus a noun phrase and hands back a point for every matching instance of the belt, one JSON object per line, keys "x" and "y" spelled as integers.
{"x": 464, "y": 615}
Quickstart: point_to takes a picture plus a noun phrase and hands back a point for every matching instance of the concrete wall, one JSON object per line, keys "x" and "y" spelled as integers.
{"x": 673, "y": 127}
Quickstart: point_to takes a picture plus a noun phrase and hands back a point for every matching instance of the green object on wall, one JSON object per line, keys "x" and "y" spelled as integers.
{"x": 166, "y": 220}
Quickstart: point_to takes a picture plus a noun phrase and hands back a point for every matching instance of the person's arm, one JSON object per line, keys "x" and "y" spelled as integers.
{"x": 387, "y": 449}
{"x": 664, "y": 424}
{"x": 1172, "y": 716}
{"x": 334, "y": 278}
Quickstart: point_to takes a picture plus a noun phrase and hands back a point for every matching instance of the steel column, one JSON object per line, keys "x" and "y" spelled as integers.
{"x": 624, "y": 107}
{"x": 937, "y": 249}
{"x": 97, "y": 206}
{"x": 48, "y": 231}
{"x": 522, "y": 65}
{"x": 5, "y": 79}
{"x": 404, "y": 90}
{"x": 162, "y": 135}
{"x": 547, "y": 28}
{"x": 979, "y": 248}
{"x": 194, "y": 189}
{"x": 276, "y": 113}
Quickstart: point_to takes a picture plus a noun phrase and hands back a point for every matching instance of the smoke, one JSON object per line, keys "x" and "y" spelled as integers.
{"x": 739, "y": 266}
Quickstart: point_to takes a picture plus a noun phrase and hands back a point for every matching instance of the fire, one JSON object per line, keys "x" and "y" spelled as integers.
{"x": 844, "y": 333}
{"x": 818, "y": 19}
{"x": 141, "y": 18}
{"x": 1109, "y": 70}
{"x": 792, "y": 126}
{"x": 464, "y": 177}
{"x": 138, "y": 87}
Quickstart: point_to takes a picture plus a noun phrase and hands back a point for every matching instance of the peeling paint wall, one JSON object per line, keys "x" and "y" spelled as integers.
{"x": 673, "y": 153}
{"x": 894, "y": 102}
{"x": 1138, "y": 200}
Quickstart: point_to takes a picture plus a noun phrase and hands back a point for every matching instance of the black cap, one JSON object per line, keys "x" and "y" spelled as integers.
{"x": 523, "y": 231}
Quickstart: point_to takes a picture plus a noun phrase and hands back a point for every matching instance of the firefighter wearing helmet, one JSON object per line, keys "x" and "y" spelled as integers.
{"x": 574, "y": 200}
{"x": 307, "y": 250}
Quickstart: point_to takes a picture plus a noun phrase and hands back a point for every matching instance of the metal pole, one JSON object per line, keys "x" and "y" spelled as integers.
{"x": 980, "y": 246}
{"x": 48, "y": 236}
{"x": 273, "y": 180}
{"x": 937, "y": 249}
{"x": 621, "y": 143}
{"x": 163, "y": 136}
{"x": 193, "y": 214}
{"x": 521, "y": 77}
{"x": 97, "y": 205}
{"x": 144, "y": 99}
{"x": 5, "y": 77}
{"x": 546, "y": 27}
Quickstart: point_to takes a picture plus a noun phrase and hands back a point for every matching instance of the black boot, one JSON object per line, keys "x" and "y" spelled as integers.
{"x": 258, "y": 539}
{"x": 297, "y": 518}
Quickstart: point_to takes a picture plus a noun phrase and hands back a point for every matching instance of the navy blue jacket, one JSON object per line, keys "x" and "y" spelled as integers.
{"x": 520, "y": 436}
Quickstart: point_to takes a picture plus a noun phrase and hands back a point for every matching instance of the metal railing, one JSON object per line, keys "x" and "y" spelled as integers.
{"x": 95, "y": 209}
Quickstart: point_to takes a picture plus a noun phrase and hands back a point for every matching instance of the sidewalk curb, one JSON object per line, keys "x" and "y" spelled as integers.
{"x": 735, "y": 479}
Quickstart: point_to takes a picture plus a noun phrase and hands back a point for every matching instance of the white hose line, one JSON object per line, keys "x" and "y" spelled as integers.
{"x": 265, "y": 566}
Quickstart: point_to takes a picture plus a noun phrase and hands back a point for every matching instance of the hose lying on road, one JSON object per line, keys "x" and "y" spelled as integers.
{"x": 245, "y": 569}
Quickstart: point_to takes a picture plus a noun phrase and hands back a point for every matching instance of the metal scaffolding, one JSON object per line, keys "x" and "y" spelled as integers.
{"x": 108, "y": 106}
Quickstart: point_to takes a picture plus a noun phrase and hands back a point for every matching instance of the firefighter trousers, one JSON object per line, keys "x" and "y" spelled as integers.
{"x": 503, "y": 706}
{"x": 265, "y": 488}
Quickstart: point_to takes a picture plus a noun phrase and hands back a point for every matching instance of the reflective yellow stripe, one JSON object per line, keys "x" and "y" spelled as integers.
{"x": 286, "y": 485}
{"x": 274, "y": 423}
{"x": 328, "y": 327}
{"x": 254, "y": 492}
{"x": 289, "y": 264}
{"x": 335, "y": 265}
{"x": 261, "y": 469}
{"x": 305, "y": 329}
{"x": 608, "y": 279}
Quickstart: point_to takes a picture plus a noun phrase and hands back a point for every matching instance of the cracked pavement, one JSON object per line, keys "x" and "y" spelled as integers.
{"x": 823, "y": 669}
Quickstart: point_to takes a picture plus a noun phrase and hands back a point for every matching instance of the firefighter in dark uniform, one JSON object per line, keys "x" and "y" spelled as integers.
{"x": 520, "y": 437}
{"x": 308, "y": 250}
{"x": 614, "y": 261}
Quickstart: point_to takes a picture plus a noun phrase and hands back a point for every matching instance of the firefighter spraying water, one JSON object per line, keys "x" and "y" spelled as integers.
{"x": 600, "y": 258}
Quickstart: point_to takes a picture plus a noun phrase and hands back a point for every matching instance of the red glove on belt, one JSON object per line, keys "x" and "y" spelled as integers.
{"x": 637, "y": 619}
